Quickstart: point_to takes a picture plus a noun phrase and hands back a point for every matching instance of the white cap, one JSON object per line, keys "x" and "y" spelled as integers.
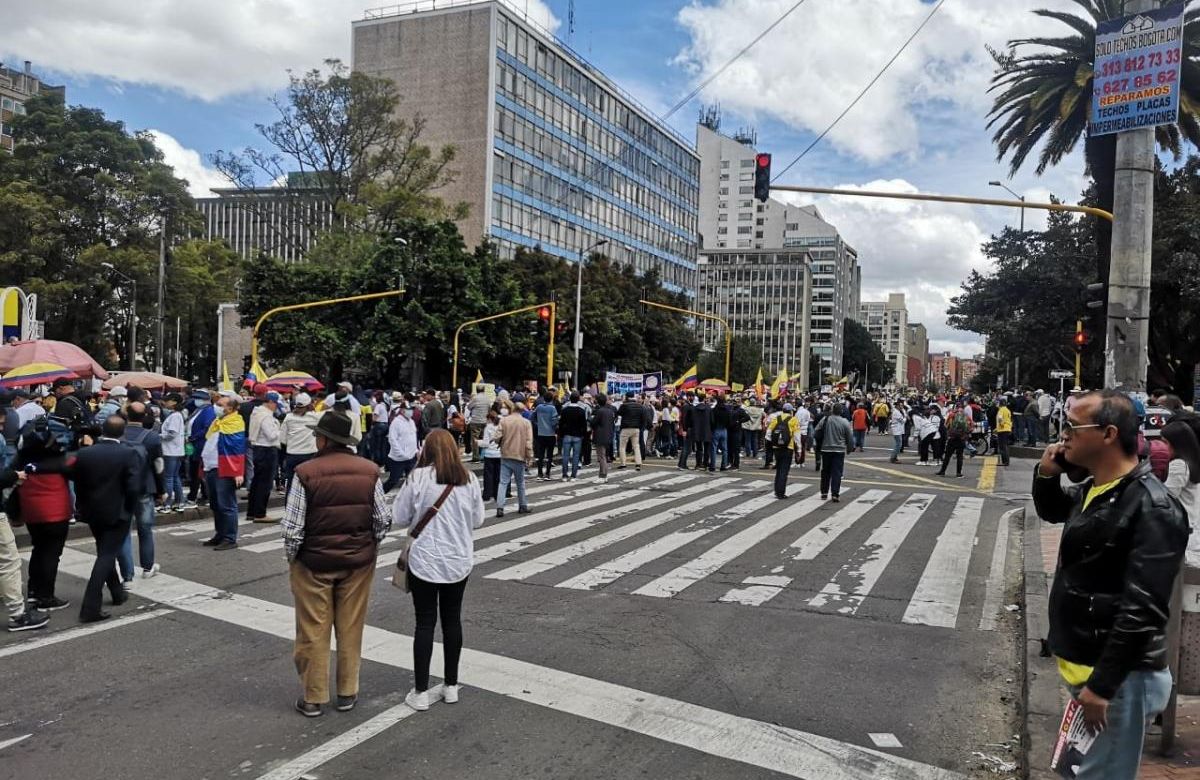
{"x": 118, "y": 392}
{"x": 397, "y": 396}
{"x": 302, "y": 399}
{"x": 228, "y": 394}
{"x": 346, "y": 385}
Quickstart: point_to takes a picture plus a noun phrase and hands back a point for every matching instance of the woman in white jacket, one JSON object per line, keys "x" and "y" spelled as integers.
{"x": 1183, "y": 477}
{"x": 441, "y": 557}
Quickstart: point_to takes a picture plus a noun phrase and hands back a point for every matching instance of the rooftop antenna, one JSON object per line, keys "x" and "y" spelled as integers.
{"x": 571, "y": 22}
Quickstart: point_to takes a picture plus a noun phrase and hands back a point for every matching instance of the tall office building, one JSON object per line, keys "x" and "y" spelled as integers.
{"x": 551, "y": 153}
{"x": 17, "y": 86}
{"x": 283, "y": 222}
{"x": 765, "y": 295}
{"x": 887, "y": 322}
{"x": 730, "y": 218}
{"x": 945, "y": 371}
{"x": 917, "y": 350}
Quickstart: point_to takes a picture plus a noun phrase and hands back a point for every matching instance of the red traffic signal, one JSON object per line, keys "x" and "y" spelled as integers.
{"x": 763, "y": 161}
{"x": 1081, "y": 339}
{"x": 560, "y": 327}
{"x": 544, "y": 314}
{"x": 762, "y": 177}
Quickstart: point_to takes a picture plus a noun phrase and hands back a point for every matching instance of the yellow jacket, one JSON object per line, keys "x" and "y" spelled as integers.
{"x": 793, "y": 426}
{"x": 1003, "y": 420}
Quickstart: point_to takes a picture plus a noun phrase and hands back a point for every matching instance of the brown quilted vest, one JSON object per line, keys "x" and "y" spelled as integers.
{"x": 339, "y": 524}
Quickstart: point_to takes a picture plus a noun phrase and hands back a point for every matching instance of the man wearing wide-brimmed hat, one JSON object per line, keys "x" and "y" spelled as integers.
{"x": 335, "y": 517}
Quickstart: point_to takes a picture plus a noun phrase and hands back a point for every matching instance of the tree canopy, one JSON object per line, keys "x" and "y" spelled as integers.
{"x": 860, "y": 353}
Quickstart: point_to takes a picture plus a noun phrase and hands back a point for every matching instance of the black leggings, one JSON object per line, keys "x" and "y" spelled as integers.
{"x": 428, "y": 599}
{"x": 48, "y": 540}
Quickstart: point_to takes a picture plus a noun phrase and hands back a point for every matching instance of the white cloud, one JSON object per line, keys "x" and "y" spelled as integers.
{"x": 810, "y": 67}
{"x": 208, "y": 50}
{"x": 188, "y": 165}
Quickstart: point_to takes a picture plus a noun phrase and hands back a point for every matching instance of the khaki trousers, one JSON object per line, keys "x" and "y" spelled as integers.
{"x": 631, "y": 435}
{"x": 329, "y": 600}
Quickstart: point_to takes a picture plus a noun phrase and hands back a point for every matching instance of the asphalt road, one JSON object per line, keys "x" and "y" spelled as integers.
{"x": 668, "y": 625}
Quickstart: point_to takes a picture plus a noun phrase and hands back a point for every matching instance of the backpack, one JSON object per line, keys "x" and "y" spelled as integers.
{"x": 782, "y": 432}
{"x": 457, "y": 423}
{"x": 139, "y": 449}
{"x": 959, "y": 427}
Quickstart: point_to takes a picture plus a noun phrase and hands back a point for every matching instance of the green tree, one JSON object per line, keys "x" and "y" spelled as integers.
{"x": 339, "y": 131}
{"x": 860, "y": 353}
{"x": 744, "y": 362}
{"x": 1043, "y": 89}
{"x": 78, "y": 192}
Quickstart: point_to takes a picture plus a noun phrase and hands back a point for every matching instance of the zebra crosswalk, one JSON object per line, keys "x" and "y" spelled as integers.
{"x": 919, "y": 558}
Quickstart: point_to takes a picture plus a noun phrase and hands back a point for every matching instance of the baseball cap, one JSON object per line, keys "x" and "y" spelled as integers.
{"x": 302, "y": 399}
{"x": 260, "y": 390}
{"x": 789, "y": 408}
{"x": 397, "y": 396}
{"x": 345, "y": 385}
{"x": 274, "y": 397}
{"x": 62, "y": 381}
{"x": 176, "y": 397}
{"x": 118, "y": 392}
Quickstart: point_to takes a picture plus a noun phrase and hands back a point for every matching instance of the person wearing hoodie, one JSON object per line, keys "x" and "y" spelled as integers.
{"x": 197, "y": 428}
{"x": 545, "y": 427}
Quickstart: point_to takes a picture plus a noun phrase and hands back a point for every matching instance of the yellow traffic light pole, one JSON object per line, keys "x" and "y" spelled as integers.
{"x": 1078, "y": 353}
{"x": 702, "y": 315}
{"x": 549, "y": 350}
{"x": 311, "y": 305}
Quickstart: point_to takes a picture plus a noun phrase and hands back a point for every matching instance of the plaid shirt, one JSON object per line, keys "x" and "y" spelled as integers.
{"x": 296, "y": 510}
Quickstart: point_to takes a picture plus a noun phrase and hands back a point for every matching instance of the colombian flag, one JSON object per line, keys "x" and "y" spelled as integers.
{"x": 690, "y": 379}
{"x": 779, "y": 386}
{"x": 231, "y": 444}
{"x": 759, "y": 388}
{"x": 252, "y": 377}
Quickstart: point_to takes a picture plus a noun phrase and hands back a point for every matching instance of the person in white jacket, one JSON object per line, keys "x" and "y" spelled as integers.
{"x": 440, "y": 559}
{"x": 297, "y": 435}
{"x": 263, "y": 437}
{"x": 402, "y": 446}
{"x": 1183, "y": 477}
{"x": 174, "y": 441}
{"x": 896, "y": 426}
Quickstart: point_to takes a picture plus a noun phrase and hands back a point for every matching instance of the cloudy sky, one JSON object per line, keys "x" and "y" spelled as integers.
{"x": 199, "y": 75}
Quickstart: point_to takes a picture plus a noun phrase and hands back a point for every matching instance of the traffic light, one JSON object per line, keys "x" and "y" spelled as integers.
{"x": 1081, "y": 339}
{"x": 544, "y": 314}
{"x": 560, "y": 327}
{"x": 762, "y": 177}
{"x": 1095, "y": 295}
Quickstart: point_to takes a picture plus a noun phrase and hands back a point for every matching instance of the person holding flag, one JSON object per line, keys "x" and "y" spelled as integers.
{"x": 688, "y": 379}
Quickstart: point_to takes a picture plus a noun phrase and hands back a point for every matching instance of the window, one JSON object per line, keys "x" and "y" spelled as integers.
{"x": 758, "y": 234}
{"x": 793, "y": 226}
{"x": 7, "y": 104}
{"x": 721, "y": 231}
{"x": 724, "y": 177}
{"x": 724, "y": 191}
{"x": 747, "y": 163}
{"x": 746, "y": 204}
{"x": 722, "y": 217}
{"x": 746, "y": 190}
{"x": 724, "y": 164}
{"x": 744, "y": 230}
{"x": 746, "y": 177}
{"x": 759, "y": 221}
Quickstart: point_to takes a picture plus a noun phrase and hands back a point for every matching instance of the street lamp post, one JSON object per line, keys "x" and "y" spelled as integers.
{"x": 159, "y": 345}
{"x": 583, "y": 253}
{"x": 132, "y": 311}
{"x": 1015, "y": 195}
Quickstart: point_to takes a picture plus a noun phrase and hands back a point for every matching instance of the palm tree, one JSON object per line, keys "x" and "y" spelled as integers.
{"x": 1043, "y": 97}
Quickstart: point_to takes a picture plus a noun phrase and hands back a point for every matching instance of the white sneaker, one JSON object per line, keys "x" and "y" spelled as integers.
{"x": 418, "y": 701}
{"x": 450, "y": 694}
{"x": 148, "y": 573}
{"x": 128, "y": 584}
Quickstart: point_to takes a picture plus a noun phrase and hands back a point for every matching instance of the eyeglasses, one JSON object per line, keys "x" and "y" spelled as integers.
{"x": 1070, "y": 427}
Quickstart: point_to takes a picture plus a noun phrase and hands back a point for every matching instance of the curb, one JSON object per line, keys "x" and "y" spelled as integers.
{"x": 1043, "y": 695}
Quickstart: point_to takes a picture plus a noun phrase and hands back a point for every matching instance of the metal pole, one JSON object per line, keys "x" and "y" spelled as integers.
{"x": 177, "y": 352}
{"x": 1078, "y": 356}
{"x": 702, "y": 315}
{"x": 468, "y": 323}
{"x": 550, "y": 347}
{"x": 133, "y": 326}
{"x": 1095, "y": 212}
{"x": 159, "y": 345}
{"x": 1126, "y": 346}
{"x": 1022, "y": 213}
{"x": 578, "y": 312}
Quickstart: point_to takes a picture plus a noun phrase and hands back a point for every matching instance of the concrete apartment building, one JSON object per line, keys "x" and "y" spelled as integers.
{"x": 917, "y": 351}
{"x": 283, "y": 222}
{"x": 551, "y": 153}
{"x": 887, "y": 322}
{"x": 17, "y": 86}
{"x": 765, "y": 295}
{"x": 731, "y": 219}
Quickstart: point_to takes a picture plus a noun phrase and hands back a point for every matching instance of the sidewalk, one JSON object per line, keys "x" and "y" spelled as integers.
{"x": 1045, "y": 696}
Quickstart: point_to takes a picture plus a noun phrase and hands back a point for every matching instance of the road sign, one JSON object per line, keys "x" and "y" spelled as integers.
{"x": 1061, "y": 374}
{"x": 1136, "y": 79}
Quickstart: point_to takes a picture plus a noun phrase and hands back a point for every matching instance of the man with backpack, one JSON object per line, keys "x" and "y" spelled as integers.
{"x": 958, "y": 429}
{"x": 782, "y": 434}
{"x": 148, "y": 447}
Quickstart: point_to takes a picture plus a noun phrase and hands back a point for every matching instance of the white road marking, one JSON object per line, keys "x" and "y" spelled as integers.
{"x": 688, "y": 574}
{"x": 84, "y": 630}
{"x": 323, "y": 754}
{"x": 574, "y": 526}
{"x": 939, "y": 593}
{"x": 711, "y": 732}
{"x": 885, "y": 740}
{"x": 613, "y": 570}
{"x": 994, "y": 592}
{"x": 759, "y": 590}
{"x": 860, "y": 575}
{"x": 590, "y": 545}
{"x": 10, "y": 742}
{"x": 828, "y": 530}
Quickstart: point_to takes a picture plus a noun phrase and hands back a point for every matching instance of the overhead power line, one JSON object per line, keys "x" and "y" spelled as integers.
{"x": 735, "y": 58}
{"x": 860, "y": 96}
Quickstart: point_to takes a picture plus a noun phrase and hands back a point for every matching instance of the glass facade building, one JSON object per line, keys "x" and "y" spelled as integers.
{"x": 563, "y": 158}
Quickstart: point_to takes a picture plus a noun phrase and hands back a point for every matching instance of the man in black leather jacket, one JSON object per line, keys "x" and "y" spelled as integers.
{"x": 1121, "y": 550}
